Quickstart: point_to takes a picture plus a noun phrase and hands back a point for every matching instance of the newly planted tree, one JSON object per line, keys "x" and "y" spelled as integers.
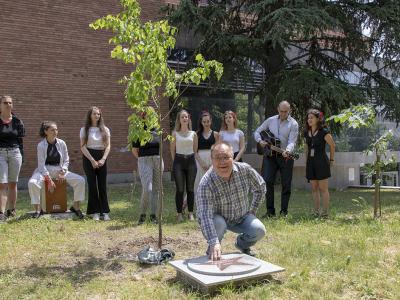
{"x": 382, "y": 159}
{"x": 365, "y": 116}
{"x": 145, "y": 46}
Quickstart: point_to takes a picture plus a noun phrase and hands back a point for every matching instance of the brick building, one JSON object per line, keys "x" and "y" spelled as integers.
{"x": 55, "y": 67}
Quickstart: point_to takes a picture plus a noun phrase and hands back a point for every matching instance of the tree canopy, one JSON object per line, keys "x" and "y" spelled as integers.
{"x": 325, "y": 54}
{"x": 145, "y": 46}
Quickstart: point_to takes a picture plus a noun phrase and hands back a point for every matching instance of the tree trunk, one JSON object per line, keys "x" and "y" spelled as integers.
{"x": 161, "y": 190}
{"x": 377, "y": 185}
{"x": 250, "y": 122}
{"x": 272, "y": 66}
{"x": 380, "y": 202}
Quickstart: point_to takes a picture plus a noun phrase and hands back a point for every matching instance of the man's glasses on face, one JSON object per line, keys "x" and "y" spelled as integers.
{"x": 222, "y": 157}
{"x": 7, "y": 103}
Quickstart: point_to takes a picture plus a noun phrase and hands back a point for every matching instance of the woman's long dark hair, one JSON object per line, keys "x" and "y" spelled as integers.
{"x": 320, "y": 117}
{"x": 100, "y": 125}
{"x": 201, "y": 127}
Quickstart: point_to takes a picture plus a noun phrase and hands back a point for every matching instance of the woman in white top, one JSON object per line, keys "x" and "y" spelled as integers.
{"x": 183, "y": 148}
{"x": 95, "y": 146}
{"x": 231, "y": 135}
{"x": 206, "y": 137}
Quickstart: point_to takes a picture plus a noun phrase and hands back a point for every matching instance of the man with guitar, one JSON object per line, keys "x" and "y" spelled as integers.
{"x": 276, "y": 139}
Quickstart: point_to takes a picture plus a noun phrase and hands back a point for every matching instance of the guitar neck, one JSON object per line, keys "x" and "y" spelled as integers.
{"x": 277, "y": 149}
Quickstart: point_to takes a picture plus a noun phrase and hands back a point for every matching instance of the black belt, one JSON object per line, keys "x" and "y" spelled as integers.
{"x": 274, "y": 155}
{"x": 184, "y": 155}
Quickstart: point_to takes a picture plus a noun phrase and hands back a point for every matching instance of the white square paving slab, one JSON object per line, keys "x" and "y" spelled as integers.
{"x": 235, "y": 268}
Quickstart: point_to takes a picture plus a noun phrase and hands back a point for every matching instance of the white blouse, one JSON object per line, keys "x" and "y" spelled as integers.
{"x": 184, "y": 143}
{"x": 232, "y": 138}
{"x": 95, "y": 138}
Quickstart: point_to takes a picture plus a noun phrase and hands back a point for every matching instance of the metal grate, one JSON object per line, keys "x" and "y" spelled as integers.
{"x": 237, "y": 84}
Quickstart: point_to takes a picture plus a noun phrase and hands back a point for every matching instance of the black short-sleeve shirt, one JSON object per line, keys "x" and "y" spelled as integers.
{"x": 151, "y": 148}
{"x": 317, "y": 141}
{"x": 11, "y": 133}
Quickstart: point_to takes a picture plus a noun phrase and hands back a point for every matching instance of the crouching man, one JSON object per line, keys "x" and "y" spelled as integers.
{"x": 222, "y": 202}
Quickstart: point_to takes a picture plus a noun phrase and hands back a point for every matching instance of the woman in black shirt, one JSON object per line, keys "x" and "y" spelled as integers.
{"x": 206, "y": 138}
{"x": 11, "y": 134}
{"x": 53, "y": 163}
{"x": 148, "y": 157}
{"x": 318, "y": 165}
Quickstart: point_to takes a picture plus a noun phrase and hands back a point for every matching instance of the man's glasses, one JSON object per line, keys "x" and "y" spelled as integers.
{"x": 222, "y": 158}
{"x": 6, "y": 103}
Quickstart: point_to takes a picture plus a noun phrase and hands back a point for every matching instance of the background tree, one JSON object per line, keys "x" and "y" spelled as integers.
{"x": 145, "y": 46}
{"x": 325, "y": 54}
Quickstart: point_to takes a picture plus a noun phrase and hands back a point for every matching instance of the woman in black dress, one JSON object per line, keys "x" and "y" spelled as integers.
{"x": 318, "y": 164}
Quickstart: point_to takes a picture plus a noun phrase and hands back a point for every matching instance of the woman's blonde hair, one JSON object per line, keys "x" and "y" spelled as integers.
{"x": 178, "y": 120}
{"x": 5, "y": 97}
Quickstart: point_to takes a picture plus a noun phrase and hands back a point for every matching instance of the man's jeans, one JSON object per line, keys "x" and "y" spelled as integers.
{"x": 250, "y": 230}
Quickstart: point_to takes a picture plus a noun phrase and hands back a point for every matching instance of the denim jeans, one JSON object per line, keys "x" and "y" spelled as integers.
{"x": 250, "y": 230}
{"x": 10, "y": 164}
{"x": 149, "y": 172}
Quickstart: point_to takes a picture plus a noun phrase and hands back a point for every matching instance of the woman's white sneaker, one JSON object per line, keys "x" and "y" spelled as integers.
{"x": 106, "y": 217}
{"x": 96, "y": 217}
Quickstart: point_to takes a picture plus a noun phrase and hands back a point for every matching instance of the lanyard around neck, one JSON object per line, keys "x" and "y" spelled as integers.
{"x": 279, "y": 127}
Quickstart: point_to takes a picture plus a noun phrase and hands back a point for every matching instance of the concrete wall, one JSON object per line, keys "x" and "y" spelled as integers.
{"x": 345, "y": 172}
{"x": 340, "y": 179}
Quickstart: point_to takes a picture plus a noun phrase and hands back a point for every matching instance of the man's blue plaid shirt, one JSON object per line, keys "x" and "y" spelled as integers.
{"x": 228, "y": 199}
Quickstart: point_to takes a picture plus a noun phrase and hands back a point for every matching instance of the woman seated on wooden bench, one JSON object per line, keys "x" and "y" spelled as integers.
{"x": 53, "y": 161}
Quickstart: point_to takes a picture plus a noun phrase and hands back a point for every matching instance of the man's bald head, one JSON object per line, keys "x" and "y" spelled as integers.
{"x": 284, "y": 104}
{"x": 284, "y": 110}
{"x": 221, "y": 147}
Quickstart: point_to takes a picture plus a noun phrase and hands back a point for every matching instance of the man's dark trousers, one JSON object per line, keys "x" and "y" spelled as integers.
{"x": 271, "y": 164}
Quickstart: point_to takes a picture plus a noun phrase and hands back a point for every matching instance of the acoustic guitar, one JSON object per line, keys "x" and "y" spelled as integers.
{"x": 273, "y": 146}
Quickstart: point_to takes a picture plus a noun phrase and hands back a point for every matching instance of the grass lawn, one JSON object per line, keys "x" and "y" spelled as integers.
{"x": 349, "y": 256}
